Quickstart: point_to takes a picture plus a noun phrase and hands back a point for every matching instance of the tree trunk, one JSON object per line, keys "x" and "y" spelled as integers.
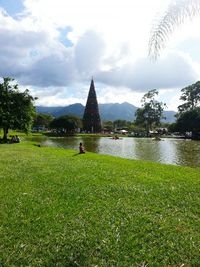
{"x": 5, "y": 132}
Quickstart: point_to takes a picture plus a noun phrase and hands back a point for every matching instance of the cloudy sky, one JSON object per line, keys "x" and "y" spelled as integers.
{"x": 54, "y": 47}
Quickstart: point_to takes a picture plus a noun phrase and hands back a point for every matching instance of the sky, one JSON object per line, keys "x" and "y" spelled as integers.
{"x": 54, "y": 48}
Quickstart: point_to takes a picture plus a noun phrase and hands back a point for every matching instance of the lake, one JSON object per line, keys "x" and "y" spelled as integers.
{"x": 168, "y": 150}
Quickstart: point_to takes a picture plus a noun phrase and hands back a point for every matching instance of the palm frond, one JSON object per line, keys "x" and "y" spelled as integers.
{"x": 175, "y": 15}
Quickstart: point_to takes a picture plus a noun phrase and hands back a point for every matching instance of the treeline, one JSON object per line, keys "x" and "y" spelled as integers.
{"x": 67, "y": 124}
{"x": 188, "y": 116}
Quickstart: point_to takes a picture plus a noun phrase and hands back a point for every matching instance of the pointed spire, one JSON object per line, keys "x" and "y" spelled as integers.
{"x": 91, "y": 117}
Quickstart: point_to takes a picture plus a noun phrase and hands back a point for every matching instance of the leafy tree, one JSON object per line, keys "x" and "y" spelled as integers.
{"x": 189, "y": 121}
{"x": 176, "y": 13}
{"x": 137, "y": 129}
{"x": 188, "y": 117}
{"x": 108, "y": 125}
{"x": 151, "y": 112}
{"x": 172, "y": 127}
{"x": 66, "y": 124}
{"x": 16, "y": 108}
{"x": 121, "y": 124}
{"x": 191, "y": 97}
{"x": 42, "y": 120}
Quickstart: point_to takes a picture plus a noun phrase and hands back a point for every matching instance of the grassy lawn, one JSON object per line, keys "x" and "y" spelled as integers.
{"x": 63, "y": 209}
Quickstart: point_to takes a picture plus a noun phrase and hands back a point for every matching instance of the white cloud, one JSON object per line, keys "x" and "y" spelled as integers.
{"x": 107, "y": 94}
{"x": 108, "y": 40}
{"x": 171, "y": 71}
{"x": 89, "y": 52}
{"x": 54, "y": 101}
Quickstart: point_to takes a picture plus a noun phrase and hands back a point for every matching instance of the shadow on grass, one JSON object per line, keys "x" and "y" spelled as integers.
{"x": 38, "y": 145}
{"x": 76, "y": 154}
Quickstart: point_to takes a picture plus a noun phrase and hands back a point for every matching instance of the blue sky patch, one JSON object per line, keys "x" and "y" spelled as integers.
{"x": 191, "y": 47}
{"x": 12, "y": 7}
{"x": 63, "y": 36}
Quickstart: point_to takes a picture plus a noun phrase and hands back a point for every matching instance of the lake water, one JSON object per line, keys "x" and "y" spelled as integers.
{"x": 169, "y": 151}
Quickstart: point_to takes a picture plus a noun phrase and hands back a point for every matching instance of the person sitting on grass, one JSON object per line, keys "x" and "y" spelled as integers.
{"x": 17, "y": 139}
{"x": 12, "y": 140}
{"x": 81, "y": 149}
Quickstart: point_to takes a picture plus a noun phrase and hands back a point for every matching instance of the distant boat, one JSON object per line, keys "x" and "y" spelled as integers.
{"x": 116, "y": 138}
{"x": 157, "y": 138}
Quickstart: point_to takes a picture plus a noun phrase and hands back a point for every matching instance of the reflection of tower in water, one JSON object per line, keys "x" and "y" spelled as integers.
{"x": 91, "y": 117}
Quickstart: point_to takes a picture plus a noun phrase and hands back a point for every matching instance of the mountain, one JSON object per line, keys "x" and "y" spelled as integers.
{"x": 48, "y": 110}
{"x": 111, "y": 111}
{"x": 75, "y": 109}
{"x": 169, "y": 115}
{"x": 115, "y": 111}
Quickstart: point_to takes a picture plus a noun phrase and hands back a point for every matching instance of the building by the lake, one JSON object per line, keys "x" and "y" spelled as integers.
{"x": 91, "y": 117}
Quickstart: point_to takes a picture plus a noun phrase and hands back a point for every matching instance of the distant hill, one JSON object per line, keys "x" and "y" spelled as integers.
{"x": 74, "y": 109}
{"x": 110, "y": 111}
{"x": 114, "y": 111}
{"x": 48, "y": 110}
{"x": 170, "y": 116}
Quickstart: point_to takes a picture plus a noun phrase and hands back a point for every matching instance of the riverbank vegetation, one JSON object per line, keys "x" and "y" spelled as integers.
{"x": 59, "y": 208}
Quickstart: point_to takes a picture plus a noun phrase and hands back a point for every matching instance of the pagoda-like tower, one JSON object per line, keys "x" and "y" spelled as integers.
{"x": 91, "y": 117}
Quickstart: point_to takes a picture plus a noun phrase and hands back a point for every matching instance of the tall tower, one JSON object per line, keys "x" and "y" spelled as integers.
{"x": 91, "y": 117}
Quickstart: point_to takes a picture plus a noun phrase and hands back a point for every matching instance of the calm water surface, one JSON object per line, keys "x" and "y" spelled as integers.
{"x": 169, "y": 151}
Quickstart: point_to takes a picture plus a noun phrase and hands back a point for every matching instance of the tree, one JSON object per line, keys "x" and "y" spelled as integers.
{"x": 121, "y": 124}
{"x": 65, "y": 124}
{"x": 189, "y": 121}
{"x": 188, "y": 117}
{"x": 151, "y": 112}
{"x": 108, "y": 125}
{"x": 175, "y": 15}
{"x": 137, "y": 129}
{"x": 191, "y": 97}
{"x": 42, "y": 120}
{"x": 16, "y": 108}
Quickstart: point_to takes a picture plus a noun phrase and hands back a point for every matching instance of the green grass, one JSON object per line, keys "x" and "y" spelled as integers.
{"x": 63, "y": 209}
{"x": 21, "y": 134}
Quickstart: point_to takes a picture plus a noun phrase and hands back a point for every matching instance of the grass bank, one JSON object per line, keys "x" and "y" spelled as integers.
{"x": 63, "y": 209}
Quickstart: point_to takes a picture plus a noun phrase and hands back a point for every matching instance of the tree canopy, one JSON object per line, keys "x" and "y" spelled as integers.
{"x": 188, "y": 117}
{"x": 16, "y": 108}
{"x": 190, "y": 96}
{"x": 108, "y": 125}
{"x": 121, "y": 124}
{"x": 66, "y": 124}
{"x": 151, "y": 112}
{"x": 42, "y": 120}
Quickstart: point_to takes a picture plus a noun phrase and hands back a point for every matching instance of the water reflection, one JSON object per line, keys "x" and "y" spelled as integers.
{"x": 160, "y": 151}
{"x": 188, "y": 152}
{"x": 90, "y": 143}
{"x": 170, "y": 151}
{"x": 147, "y": 149}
